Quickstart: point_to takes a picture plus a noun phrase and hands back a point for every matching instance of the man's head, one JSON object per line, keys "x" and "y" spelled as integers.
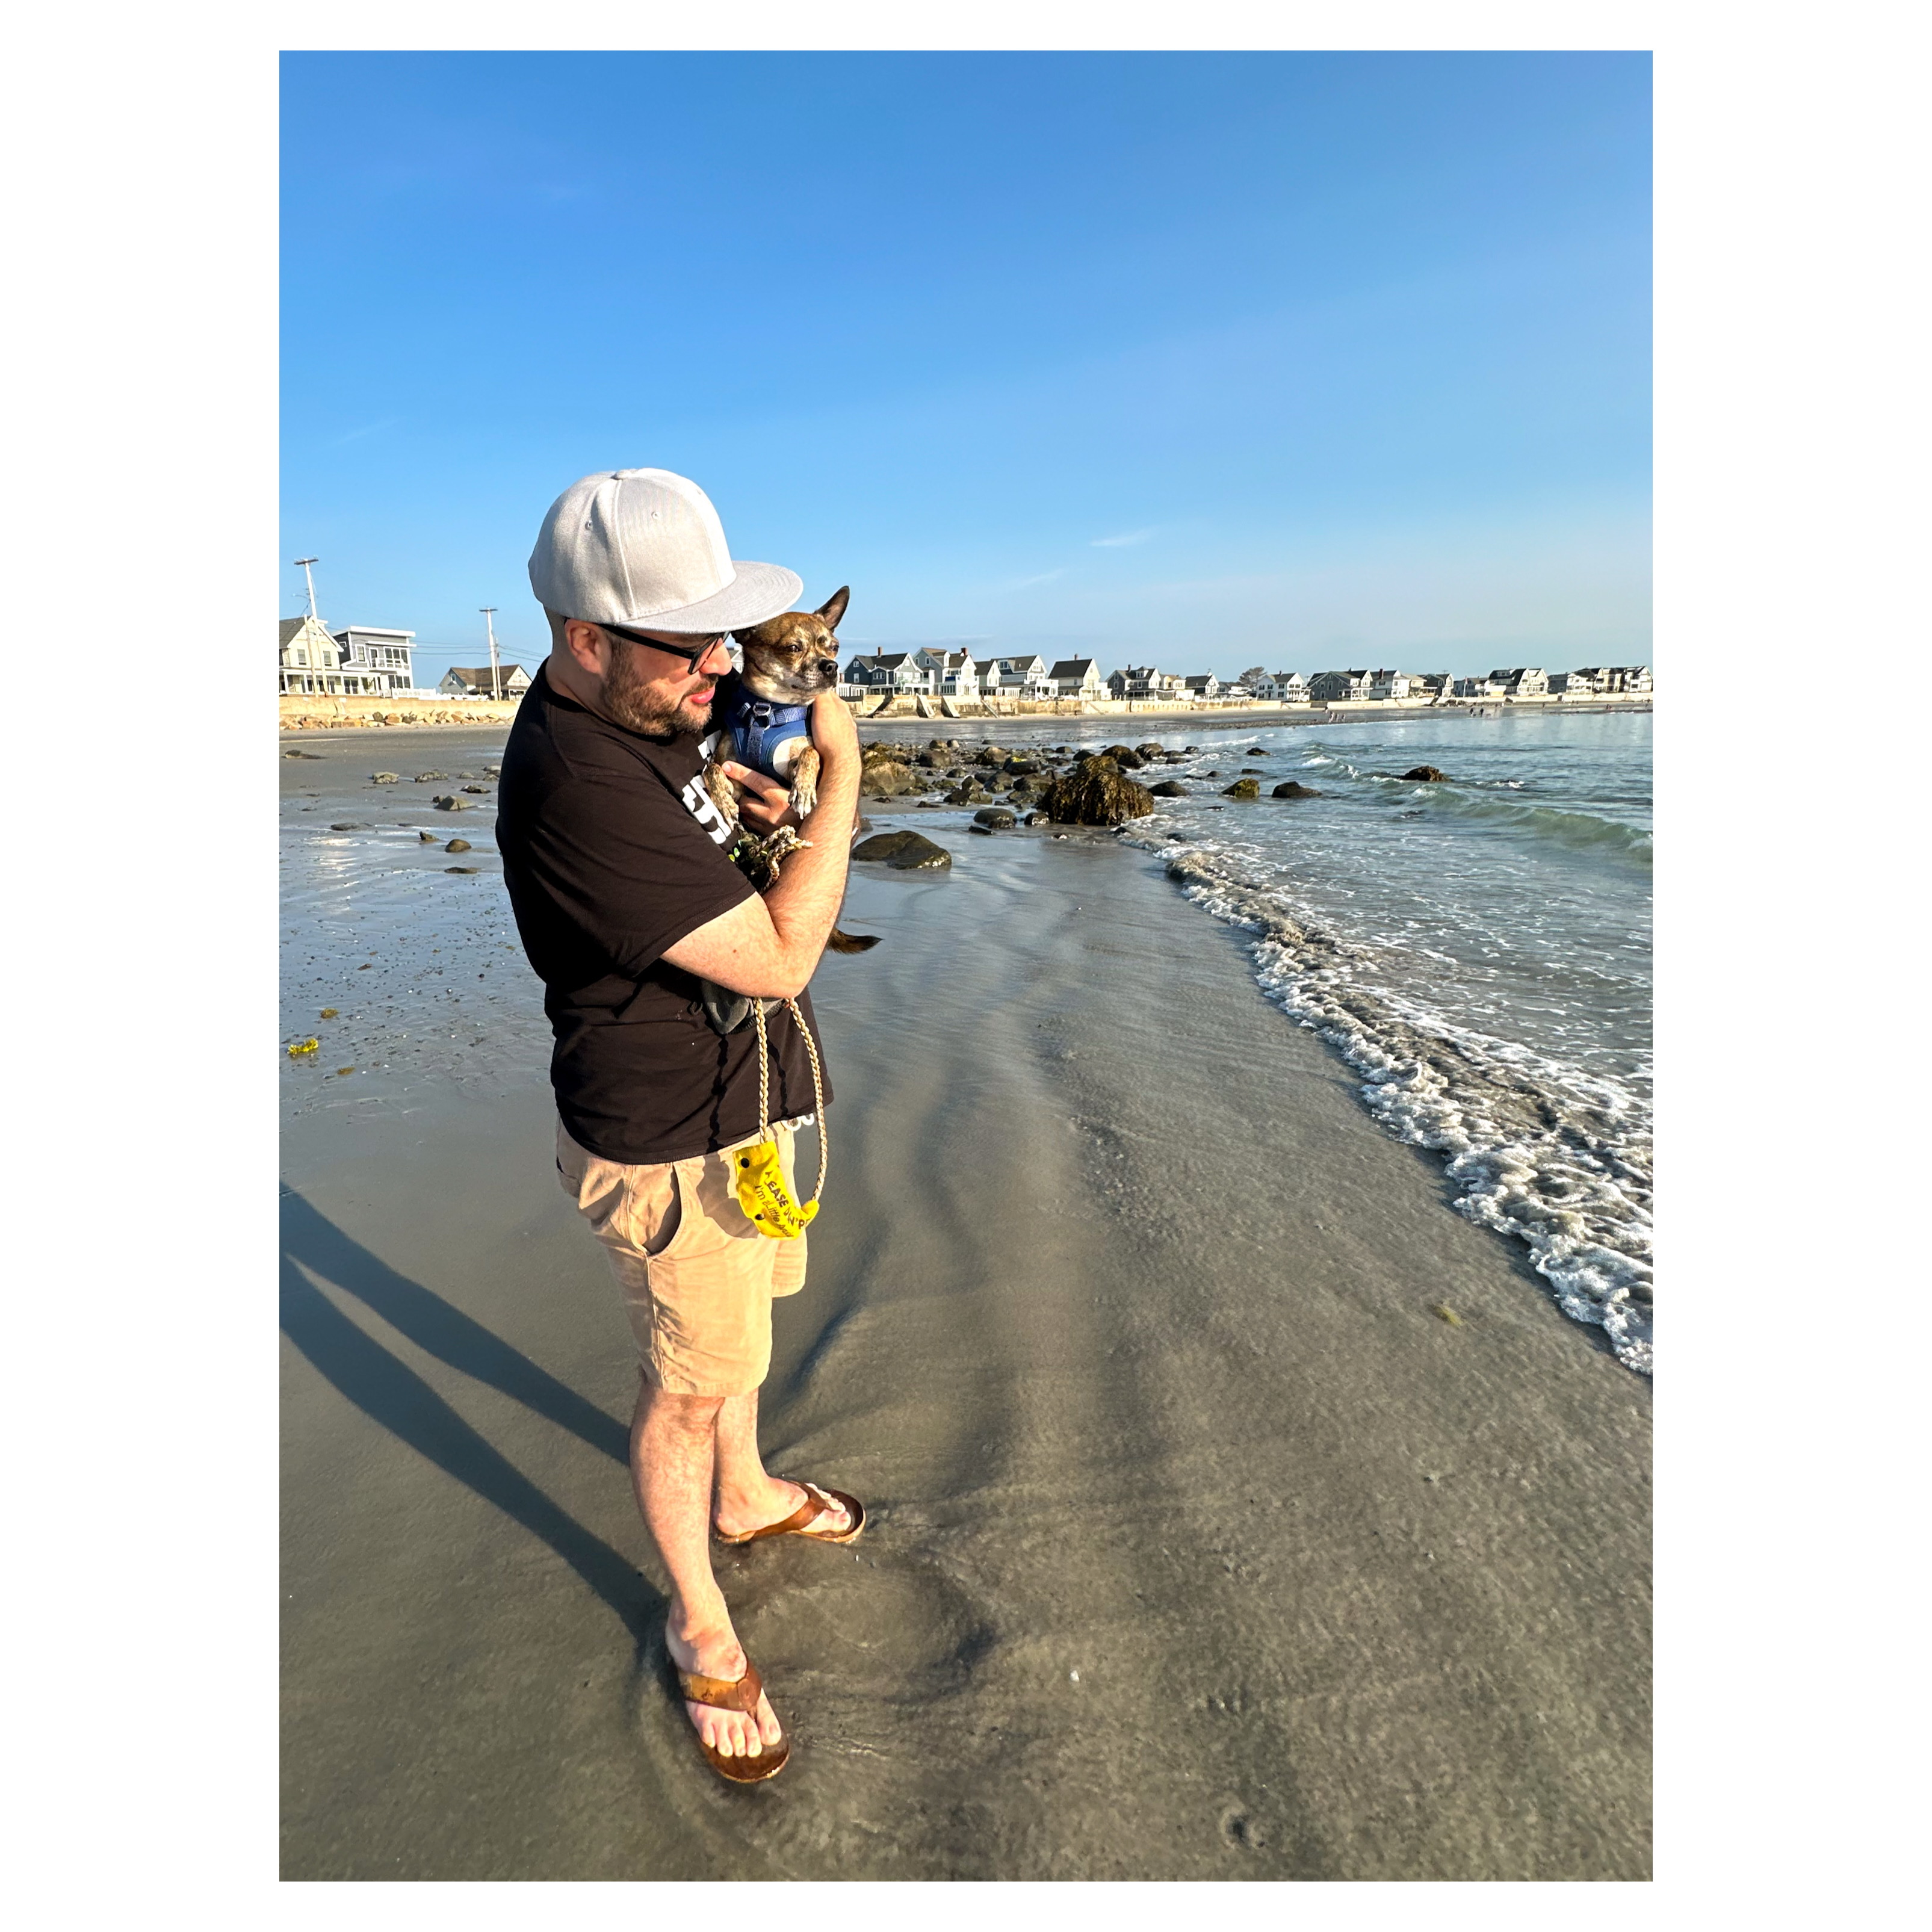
{"x": 644, "y": 548}
{"x": 660, "y": 685}
{"x": 632, "y": 570}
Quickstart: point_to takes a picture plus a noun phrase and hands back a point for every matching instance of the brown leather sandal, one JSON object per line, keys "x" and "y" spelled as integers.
{"x": 723, "y": 1694}
{"x": 818, "y": 1502}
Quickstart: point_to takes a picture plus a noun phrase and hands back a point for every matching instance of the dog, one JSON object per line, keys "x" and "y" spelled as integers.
{"x": 764, "y": 712}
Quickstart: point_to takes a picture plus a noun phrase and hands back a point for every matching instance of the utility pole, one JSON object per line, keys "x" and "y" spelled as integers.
{"x": 308, "y": 577}
{"x": 489, "y": 616}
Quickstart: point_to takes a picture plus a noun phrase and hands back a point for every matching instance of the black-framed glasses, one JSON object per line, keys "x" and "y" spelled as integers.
{"x": 692, "y": 657}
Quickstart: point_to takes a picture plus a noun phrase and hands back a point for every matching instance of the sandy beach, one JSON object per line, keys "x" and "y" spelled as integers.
{"x": 1203, "y": 1546}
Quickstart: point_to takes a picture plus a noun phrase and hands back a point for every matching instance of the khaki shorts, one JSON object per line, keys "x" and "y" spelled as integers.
{"x": 698, "y": 1278}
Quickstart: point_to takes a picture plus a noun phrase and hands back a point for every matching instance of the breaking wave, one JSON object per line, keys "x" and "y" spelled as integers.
{"x": 1537, "y": 1150}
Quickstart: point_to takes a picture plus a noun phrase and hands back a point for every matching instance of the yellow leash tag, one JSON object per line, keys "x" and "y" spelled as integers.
{"x": 762, "y": 1193}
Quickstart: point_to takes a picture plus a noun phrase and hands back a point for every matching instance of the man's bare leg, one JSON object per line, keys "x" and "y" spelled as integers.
{"x": 748, "y": 1499}
{"x": 672, "y": 1457}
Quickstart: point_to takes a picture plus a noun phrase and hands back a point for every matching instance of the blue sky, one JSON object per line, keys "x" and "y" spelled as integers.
{"x": 1304, "y": 360}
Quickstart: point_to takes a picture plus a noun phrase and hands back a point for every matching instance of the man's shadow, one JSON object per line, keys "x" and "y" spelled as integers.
{"x": 391, "y": 1394}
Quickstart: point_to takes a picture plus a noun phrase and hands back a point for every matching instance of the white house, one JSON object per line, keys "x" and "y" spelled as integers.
{"x": 1626, "y": 679}
{"x": 473, "y": 681}
{"x": 952, "y": 672}
{"x": 1288, "y": 687}
{"x": 1020, "y": 677}
{"x": 384, "y": 655}
{"x": 1392, "y": 685}
{"x": 311, "y": 662}
{"x": 1076, "y": 677}
{"x": 1520, "y": 682}
{"x": 1478, "y": 687}
{"x": 1143, "y": 682}
{"x": 1203, "y": 689}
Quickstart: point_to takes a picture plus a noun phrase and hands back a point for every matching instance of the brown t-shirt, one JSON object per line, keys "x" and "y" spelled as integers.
{"x": 612, "y": 854}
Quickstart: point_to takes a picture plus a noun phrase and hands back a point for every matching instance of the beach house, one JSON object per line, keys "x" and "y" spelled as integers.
{"x": 1143, "y": 682}
{"x": 1021, "y": 677}
{"x": 1201, "y": 690}
{"x": 1393, "y": 686}
{"x": 311, "y": 662}
{"x": 1286, "y": 687}
{"x": 382, "y": 655}
{"x": 1330, "y": 687}
{"x": 881, "y": 671}
{"x": 1148, "y": 683}
{"x": 951, "y": 674}
{"x": 473, "y": 681}
{"x": 1076, "y": 677}
{"x": 1519, "y": 682}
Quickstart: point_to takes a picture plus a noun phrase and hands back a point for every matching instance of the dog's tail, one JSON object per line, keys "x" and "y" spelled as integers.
{"x": 851, "y": 942}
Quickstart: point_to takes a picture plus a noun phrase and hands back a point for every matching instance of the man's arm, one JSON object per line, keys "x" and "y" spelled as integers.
{"x": 769, "y": 947}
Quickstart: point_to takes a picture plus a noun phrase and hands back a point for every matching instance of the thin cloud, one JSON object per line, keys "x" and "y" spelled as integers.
{"x": 367, "y": 429}
{"x": 1120, "y": 542}
{"x": 1026, "y": 583}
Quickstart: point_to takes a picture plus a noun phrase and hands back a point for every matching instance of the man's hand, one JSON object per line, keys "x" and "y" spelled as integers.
{"x": 835, "y": 730}
{"x": 762, "y": 803}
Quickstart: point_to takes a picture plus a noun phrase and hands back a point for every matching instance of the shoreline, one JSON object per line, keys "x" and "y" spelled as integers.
{"x": 1203, "y": 1547}
{"x": 1247, "y": 717}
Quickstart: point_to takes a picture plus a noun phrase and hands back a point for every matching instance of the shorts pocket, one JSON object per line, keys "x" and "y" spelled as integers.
{"x": 651, "y": 1214}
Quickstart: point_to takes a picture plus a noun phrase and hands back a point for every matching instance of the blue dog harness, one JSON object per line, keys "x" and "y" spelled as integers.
{"x": 757, "y": 728}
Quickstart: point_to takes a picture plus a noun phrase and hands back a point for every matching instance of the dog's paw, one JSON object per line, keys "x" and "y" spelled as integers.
{"x": 722, "y": 793}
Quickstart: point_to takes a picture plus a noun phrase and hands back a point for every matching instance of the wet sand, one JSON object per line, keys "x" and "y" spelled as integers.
{"x": 1202, "y": 1546}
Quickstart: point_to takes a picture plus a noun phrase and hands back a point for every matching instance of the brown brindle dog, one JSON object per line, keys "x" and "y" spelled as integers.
{"x": 785, "y": 662}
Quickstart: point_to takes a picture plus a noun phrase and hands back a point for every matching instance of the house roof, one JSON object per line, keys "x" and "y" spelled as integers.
{"x": 480, "y": 673}
{"x": 1072, "y": 668}
{"x": 292, "y": 627}
{"x": 882, "y": 658}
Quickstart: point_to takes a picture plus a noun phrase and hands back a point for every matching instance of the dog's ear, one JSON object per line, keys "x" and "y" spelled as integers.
{"x": 833, "y": 608}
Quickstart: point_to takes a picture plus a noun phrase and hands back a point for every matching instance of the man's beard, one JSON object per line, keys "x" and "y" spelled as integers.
{"x": 631, "y": 702}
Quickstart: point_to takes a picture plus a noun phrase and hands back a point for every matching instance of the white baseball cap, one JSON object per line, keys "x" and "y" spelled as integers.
{"x": 644, "y": 547}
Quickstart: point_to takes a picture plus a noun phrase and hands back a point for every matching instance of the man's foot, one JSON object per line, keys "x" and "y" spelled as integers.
{"x": 741, "y": 1518}
{"x": 731, "y": 1734}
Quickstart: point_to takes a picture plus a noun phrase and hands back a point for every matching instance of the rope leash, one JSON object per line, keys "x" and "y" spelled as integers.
{"x": 768, "y": 1202}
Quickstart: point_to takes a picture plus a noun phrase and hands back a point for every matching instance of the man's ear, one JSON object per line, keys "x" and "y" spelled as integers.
{"x": 833, "y": 608}
{"x": 590, "y": 649}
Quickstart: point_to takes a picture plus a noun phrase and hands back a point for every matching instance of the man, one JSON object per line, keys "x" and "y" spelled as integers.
{"x": 627, "y": 905}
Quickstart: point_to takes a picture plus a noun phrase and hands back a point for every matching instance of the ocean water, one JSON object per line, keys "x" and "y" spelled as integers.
{"x": 1479, "y": 951}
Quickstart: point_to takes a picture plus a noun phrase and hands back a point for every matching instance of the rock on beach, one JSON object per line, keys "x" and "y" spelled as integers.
{"x": 1098, "y": 793}
{"x": 904, "y": 852}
